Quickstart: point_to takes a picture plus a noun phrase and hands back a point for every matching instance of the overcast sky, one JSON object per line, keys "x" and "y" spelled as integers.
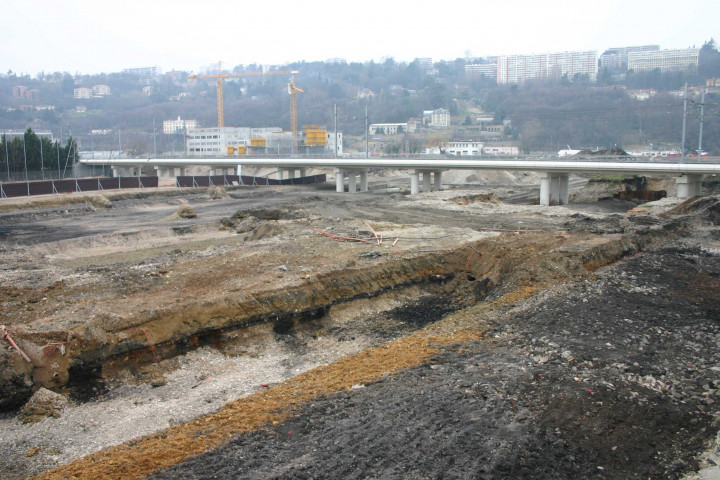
{"x": 91, "y": 36}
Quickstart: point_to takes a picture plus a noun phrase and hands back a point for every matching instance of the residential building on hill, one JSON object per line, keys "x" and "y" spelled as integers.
{"x": 476, "y": 70}
{"x": 19, "y": 91}
{"x": 616, "y": 58}
{"x": 436, "y": 118}
{"x": 517, "y": 69}
{"x": 173, "y": 126}
{"x": 388, "y": 128}
{"x": 100, "y": 90}
{"x": 82, "y": 92}
{"x": 665, "y": 60}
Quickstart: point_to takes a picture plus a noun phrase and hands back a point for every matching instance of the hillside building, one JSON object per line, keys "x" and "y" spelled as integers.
{"x": 517, "y": 69}
{"x": 149, "y": 74}
{"x": 616, "y": 58}
{"x": 174, "y": 126}
{"x": 436, "y": 118}
{"x": 388, "y": 128}
{"x": 665, "y": 60}
{"x": 424, "y": 63}
{"x": 100, "y": 90}
{"x": 82, "y": 92}
{"x": 19, "y": 91}
{"x": 478, "y": 70}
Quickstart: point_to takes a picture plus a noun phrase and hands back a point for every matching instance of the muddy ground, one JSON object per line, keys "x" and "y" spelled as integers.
{"x": 483, "y": 337}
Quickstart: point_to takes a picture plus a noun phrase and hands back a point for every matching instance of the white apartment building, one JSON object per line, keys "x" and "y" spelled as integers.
{"x": 387, "y": 128}
{"x": 145, "y": 72}
{"x": 517, "y": 69}
{"x": 173, "y": 126}
{"x": 424, "y": 63}
{"x": 100, "y": 90}
{"x": 477, "y": 70}
{"x": 82, "y": 92}
{"x": 214, "y": 141}
{"x": 457, "y": 147}
{"x": 665, "y": 60}
{"x": 616, "y": 58}
{"x": 436, "y": 118}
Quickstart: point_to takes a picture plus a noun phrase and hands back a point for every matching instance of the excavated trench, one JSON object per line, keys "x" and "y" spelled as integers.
{"x": 411, "y": 292}
{"x": 424, "y": 300}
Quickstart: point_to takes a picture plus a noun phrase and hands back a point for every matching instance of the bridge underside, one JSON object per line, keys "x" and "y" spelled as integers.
{"x": 554, "y": 185}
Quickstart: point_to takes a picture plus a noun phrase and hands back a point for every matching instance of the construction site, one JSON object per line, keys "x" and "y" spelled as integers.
{"x": 243, "y": 141}
{"x": 296, "y": 332}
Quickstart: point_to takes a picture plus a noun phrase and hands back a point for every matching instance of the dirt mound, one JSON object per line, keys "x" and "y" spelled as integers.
{"x": 702, "y": 208}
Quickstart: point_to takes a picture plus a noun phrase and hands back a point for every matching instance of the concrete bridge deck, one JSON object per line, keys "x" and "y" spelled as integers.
{"x": 553, "y": 186}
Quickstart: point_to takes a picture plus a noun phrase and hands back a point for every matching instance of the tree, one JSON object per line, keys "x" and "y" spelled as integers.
{"x": 709, "y": 60}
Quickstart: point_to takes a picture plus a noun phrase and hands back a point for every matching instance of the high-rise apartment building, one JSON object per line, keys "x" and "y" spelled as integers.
{"x": 665, "y": 60}
{"x": 616, "y": 58}
{"x": 520, "y": 68}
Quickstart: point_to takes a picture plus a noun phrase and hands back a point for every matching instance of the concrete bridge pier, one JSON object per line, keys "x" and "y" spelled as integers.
{"x": 429, "y": 183}
{"x": 352, "y": 179}
{"x": 414, "y": 182}
{"x": 426, "y": 181}
{"x": 126, "y": 171}
{"x": 165, "y": 172}
{"x": 291, "y": 172}
{"x": 688, "y": 185}
{"x": 554, "y": 189}
{"x": 437, "y": 176}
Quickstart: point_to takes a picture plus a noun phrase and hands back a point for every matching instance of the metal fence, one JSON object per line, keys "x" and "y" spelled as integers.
{"x": 228, "y": 180}
{"x": 49, "y": 187}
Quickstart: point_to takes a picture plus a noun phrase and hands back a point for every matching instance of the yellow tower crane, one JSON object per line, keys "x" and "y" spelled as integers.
{"x": 221, "y": 78}
{"x": 292, "y": 90}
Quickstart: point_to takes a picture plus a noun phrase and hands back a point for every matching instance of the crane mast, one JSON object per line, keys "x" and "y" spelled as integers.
{"x": 292, "y": 90}
{"x": 221, "y": 78}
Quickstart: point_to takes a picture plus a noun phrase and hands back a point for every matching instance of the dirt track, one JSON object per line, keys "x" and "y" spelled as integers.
{"x": 521, "y": 366}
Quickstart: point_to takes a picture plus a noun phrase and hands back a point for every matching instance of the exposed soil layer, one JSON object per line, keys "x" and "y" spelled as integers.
{"x": 487, "y": 341}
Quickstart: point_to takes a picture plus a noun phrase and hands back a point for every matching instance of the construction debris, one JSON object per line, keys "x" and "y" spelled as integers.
{"x": 4, "y": 333}
{"x": 44, "y": 403}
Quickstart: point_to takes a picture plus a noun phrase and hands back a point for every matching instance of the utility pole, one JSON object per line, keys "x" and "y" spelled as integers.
{"x": 7, "y": 157}
{"x": 155, "y": 143}
{"x": 25, "y": 159}
{"x": 702, "y": 111}
{"x": 682, "y": 147}
{"x": 42, "y": 160}
{"x": 336, "y": 140}
{"x": 26, "y": 172}
{"x": 367, "y": 134}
